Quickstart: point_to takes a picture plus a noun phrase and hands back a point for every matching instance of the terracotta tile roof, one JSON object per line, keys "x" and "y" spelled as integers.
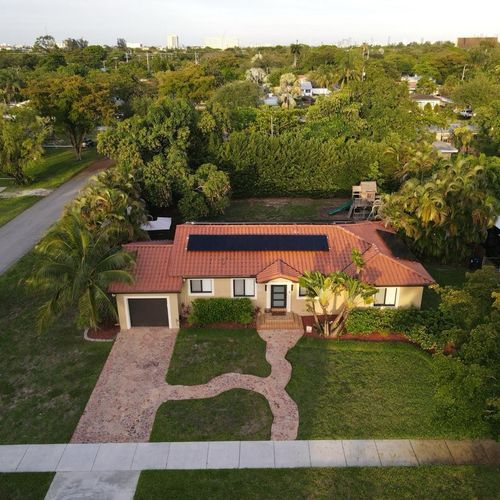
{"x": 151, "y": 269}
{"x": 161, "y": 267}
{"x": 278, "y": 269}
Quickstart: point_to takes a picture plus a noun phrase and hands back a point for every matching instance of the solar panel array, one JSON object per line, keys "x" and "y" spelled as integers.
{"x": 257, "y": 242}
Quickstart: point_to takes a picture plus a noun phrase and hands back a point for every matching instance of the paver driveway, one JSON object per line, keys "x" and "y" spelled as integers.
{"x": 131, "y": 387}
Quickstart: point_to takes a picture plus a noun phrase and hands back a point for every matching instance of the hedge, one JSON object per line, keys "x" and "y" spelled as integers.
{"x": 422, "y": 327}
{"x": 221, "y": 310}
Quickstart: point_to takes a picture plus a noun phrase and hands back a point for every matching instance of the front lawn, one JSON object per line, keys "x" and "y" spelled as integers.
{"x": 45, "y": 380}
{"x": 12, "y": 207}
{"x": 232, "y": 416}
{"x": 281, "y": 210}
{"x": 430, "y": 482}
{"x": 201, "y": 354}
{"x": 350, "y": 390}
{"x": 56, "y": 166}
{"x": 25, "y": 485}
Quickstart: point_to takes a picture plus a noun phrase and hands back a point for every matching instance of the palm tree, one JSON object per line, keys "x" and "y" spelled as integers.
{"x": 295, "y": 49}
{"x": 318, "y": 291}
{"x": 353, "y": 291}
{"x": 75, "y": 269}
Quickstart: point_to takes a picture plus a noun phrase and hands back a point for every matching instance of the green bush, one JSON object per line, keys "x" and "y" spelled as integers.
{"x": 221, "y": 310}
{"x": 423, "y": 327}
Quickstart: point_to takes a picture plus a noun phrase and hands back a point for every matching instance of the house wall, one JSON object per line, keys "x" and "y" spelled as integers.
{"x": 173, "y": 301}
{"x": 222, "y": 287}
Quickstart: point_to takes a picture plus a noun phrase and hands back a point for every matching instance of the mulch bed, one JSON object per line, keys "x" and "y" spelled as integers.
{"x": 105, "y": 332}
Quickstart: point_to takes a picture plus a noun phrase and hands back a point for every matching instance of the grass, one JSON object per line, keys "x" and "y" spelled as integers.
{"x": 56, "y": 167}
{"x": 46, "y": 379}
{"x": 11, "y": 207}
{"x": 201, "y": 354}
{"x": 445, "y": 275}
{"x": 430, "y": 482}
{"x": 351, "y": 390}
{"x": 233, "y": 415}
{"x": 25, "y": 486}
{"x": 280, "y": 210}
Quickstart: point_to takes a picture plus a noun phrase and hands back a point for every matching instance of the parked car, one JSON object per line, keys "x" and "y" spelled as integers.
{"x": 88, "y": 143}
{"x": 466, "y": 113}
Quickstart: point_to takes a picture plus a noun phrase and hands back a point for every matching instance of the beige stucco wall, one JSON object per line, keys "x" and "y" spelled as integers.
{"x": 222, "y": 287}
{"x": 173, "y": 301}
{"x": 410, "y": 296}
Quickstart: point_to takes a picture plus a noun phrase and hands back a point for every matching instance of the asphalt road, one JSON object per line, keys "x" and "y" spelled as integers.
{"x": 20, "y": 235}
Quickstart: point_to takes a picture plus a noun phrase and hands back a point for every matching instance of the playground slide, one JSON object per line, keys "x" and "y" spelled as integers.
{"x": 340, "y": 208}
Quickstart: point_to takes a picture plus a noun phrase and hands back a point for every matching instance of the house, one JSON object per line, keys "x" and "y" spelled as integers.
{"x": 444, "y": 149}
{"x": 423, "y": 100}
{"x": 306, "y": 88}
{"x": 262, "y": 262}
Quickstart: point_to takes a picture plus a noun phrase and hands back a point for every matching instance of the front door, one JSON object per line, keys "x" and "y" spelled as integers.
{"x": 278, "y": 296}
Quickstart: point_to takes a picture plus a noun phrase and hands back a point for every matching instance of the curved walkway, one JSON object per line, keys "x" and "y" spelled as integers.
{"x": 131, "y": 387}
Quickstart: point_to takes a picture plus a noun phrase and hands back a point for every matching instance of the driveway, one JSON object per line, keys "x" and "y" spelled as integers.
{"x": 132, "y": 386}
{"x": 20, "y": 235}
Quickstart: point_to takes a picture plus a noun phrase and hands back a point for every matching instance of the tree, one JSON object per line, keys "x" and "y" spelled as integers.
{"x": 321, "y": 291}
{"x": 112, "y": 199}
{"x": 11, "y": 84}
{"x": 444, "y": 215}
{"x": 469, "y": 381}
{"x": 76, "y": 104}
{"x": 189, "y": 82}
{"x": 44, "y": 43}
{"x": 121, "y": 43}
{"x": 462, "y": 137}
{"x": 295, "y": 50}
{"x": 237, "y": 94}
{"x": 74, "y": 43}
{"x": 76, "y": 267}
{"x": 215, "y": 187}
{"x": 22, "y": 134}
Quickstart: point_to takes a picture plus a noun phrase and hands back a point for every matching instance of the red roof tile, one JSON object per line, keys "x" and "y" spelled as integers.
{"x": 161, "y": 267}
{"x": 151, "y": 269}
{"x": 278, "y": 269}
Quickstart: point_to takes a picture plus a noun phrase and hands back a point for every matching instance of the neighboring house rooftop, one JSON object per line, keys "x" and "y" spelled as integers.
{"x": 444, "y": 147}
{"x": 425, "y": 97}
{"x": 161, "y": 266}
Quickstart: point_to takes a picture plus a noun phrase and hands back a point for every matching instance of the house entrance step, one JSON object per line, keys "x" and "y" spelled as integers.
{"x": 283, "y": 321}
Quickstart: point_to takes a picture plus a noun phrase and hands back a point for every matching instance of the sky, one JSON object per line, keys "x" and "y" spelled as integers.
{"x": 252, "y": 22}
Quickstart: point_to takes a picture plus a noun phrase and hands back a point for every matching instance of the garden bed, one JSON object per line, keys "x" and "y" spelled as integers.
{"x": 105, "y": 332}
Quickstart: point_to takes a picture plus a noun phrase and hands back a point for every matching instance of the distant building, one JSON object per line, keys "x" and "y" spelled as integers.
{"x": 172, "y": 42}
{"x": 134, "y": 45}
{"x": 444, "y": 149}
{"x": 221, "y": 42}
{"x": 423, "y": 100}
{"x": 469, "y": 42}
{"x": 307, "y": 89}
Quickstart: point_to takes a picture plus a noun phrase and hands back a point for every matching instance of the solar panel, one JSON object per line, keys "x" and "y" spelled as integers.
{"x": 396, "y": 245}
{"x": 257, "y": 242}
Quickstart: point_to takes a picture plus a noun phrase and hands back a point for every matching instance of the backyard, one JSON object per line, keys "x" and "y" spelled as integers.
{"x": 55, "y": 168}
{"x": 282, "y": 210}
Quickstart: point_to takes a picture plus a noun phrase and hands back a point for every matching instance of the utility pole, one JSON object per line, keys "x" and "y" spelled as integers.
{"x": 126, "y": 56}
{"x": 147, "y": 61}
{"x": 196, "y": 57}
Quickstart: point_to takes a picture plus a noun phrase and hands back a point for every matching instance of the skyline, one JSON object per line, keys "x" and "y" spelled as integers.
{"x": 261, "y": 23}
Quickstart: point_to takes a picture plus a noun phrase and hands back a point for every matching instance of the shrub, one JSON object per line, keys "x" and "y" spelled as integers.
{"x": 423, "y": 327}
{"x": 221, "y": 310}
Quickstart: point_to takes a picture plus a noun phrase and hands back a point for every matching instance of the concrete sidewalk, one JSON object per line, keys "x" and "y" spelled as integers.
{"x": 113, "y": 457}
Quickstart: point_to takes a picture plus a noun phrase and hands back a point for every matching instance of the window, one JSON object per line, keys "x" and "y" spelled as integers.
{"x": 302, "y": 291}
{"x": 200, "y": 286}
{"x": 244, "y": 287}
{"x": 386, "y": 296}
